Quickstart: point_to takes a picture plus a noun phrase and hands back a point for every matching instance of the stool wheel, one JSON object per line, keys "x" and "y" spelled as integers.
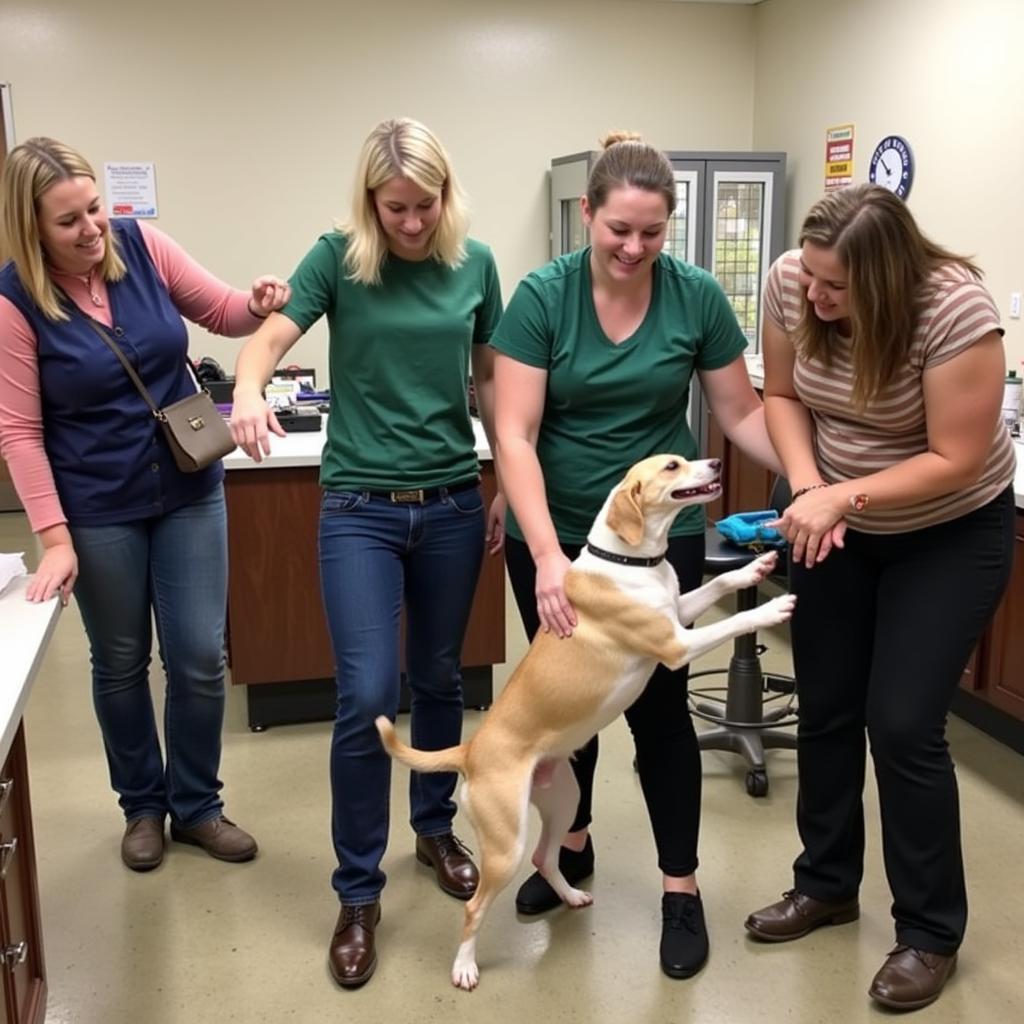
{"x": 757, "y": 782}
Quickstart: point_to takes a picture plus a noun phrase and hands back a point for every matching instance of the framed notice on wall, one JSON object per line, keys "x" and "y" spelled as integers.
{"x": 838, "y": 157}
{"x": 131, "y": 188}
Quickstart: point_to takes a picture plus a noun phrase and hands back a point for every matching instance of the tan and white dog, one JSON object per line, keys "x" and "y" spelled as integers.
{"x": 630, "y": 617}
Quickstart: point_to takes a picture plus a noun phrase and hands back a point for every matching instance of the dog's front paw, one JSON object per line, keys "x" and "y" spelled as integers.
{"x": 465, "y": 975}
{"x": 777, "y": 610}
{"x": 750, "y": 575}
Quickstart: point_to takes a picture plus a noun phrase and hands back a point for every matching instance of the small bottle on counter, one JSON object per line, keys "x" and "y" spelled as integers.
{"x": 1013, "y": 388}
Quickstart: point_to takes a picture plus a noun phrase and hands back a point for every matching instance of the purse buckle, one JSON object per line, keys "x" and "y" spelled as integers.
{"x": 196, "y": 422}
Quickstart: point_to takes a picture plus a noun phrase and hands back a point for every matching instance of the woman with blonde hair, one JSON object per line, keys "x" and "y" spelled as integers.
{"x": 883, "y": 380}
{"x": 410, "y": 303}
{"x": 596, "y": 355}
{"x": 142, "y": 540}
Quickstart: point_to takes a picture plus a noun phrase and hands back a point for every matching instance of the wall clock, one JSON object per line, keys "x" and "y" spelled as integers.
{"x": 892, "y": 165}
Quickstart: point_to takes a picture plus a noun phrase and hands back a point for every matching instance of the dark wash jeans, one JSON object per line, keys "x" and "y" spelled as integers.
{"x": 171, "y": 570}
{"x": 375, "y": 556}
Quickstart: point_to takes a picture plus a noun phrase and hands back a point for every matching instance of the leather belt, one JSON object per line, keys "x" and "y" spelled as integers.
{"x": 422, "y": 494}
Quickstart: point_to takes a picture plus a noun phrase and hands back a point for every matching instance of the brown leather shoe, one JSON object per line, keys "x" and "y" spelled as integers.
{"x": 796, "y": 914}
{"x": 219, "y": 837}
{"x": 142, "y": 847}
{"x": 456, "y": 873}
{"x": 353, "y": 954}
{"x": 911, "y": 978}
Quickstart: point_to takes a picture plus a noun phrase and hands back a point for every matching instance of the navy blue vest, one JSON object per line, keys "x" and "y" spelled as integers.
{"x": 110, "y": 461}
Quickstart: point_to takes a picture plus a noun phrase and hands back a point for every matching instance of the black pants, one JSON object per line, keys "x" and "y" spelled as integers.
{"x": 667, "y": 755}
{"x": 881, "y": 634}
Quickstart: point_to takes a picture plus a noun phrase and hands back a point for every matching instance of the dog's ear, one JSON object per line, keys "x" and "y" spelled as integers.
{"x": 626, "y": 517}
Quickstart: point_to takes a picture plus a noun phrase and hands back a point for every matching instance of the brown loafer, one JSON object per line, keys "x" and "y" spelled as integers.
{"x": 797, "y": 914}
{"x": 142, "y": 847}
{"x": 219, "y": 837}
{"x": 911, "y": 978}
{"x": 353, "y": 953}
{"x": 456, "y": 873}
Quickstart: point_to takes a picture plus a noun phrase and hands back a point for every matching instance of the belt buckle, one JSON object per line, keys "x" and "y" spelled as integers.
{"x": 407, "y": 497}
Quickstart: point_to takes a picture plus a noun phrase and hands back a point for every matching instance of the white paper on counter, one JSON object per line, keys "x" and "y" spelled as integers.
{"x": 11, "y": 567}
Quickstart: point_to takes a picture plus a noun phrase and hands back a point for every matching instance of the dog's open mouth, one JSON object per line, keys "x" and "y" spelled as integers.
{"x": 696, "y": 492}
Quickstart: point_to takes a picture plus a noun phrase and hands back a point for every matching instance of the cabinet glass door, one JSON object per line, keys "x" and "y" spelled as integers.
{"x": 681, "y": 239}
{"x": 741, "y": 202}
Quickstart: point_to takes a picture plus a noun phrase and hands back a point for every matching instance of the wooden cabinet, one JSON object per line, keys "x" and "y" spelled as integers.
{"x": 995, "y": 673}
{"x": 1004, "y": 675}
{"x": 21, "y": 947}
{"x": 276, "y": 628}
{"x": 746, "y": 485}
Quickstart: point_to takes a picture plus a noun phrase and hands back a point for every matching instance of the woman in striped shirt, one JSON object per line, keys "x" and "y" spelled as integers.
{"x": 884, "y": 365}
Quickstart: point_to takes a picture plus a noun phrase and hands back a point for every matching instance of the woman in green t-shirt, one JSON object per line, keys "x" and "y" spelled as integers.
{"x": 596, "y": 353}
{"x": 410, "y": 301}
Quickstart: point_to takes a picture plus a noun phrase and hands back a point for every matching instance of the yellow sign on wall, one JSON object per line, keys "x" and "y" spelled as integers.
{"x": 838, "y": 157}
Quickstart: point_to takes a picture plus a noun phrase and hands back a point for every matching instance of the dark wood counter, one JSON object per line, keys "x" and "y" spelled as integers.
{"x": 277, "y": 637}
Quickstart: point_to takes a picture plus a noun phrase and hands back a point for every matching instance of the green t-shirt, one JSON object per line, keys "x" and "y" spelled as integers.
{"x": 399, "y": 358}
{"x": 607, "y": 405}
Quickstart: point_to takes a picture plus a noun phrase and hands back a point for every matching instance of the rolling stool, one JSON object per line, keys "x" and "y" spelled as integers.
{"x": 744, "y": 725}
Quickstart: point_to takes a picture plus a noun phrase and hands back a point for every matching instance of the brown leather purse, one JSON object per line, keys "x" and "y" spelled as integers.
{"x": 195, "y": 431}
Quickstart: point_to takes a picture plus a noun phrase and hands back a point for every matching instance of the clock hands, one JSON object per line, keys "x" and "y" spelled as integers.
{"x": 885, "y": 167}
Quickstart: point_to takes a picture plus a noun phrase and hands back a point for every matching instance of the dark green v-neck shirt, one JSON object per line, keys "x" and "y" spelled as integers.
{"x": 610, "y": 405}
{"x": 399, "y": 361}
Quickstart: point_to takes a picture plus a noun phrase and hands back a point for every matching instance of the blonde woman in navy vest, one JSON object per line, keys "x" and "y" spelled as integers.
{"x": 137, "y": 539}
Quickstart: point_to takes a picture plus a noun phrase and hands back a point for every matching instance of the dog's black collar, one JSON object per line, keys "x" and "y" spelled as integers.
{"x": 610, "y": 556}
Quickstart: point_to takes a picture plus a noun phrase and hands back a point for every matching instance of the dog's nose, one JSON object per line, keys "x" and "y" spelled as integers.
{"x": 715, "y": 464}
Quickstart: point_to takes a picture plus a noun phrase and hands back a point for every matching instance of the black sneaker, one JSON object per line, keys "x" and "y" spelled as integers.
{"x": 535, "y": 895}
{"x": 684, "y": 937}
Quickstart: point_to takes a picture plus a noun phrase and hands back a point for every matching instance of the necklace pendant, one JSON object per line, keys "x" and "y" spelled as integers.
{"x": 96, "y": 300}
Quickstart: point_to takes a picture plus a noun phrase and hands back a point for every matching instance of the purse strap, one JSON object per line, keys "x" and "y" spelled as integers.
{"x": 122, "y": 358}
{"x": 129, "y": 369}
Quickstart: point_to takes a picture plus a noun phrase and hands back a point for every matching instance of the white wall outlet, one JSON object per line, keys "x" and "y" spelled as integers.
{"x": 1014, "y": 305}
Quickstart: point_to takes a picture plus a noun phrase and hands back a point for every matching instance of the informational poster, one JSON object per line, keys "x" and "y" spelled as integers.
{"x": 131, "y": 189}
{"x": 838, "y": 157}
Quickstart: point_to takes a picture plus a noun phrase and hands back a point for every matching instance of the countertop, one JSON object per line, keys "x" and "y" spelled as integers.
{"x": 25, "y": 630}
{"x": 304, "y": 449}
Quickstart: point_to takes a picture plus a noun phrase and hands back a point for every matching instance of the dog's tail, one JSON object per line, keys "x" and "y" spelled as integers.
{"x": 452, "y": 759}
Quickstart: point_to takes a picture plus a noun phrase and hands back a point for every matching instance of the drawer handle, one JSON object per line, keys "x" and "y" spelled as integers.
{"x": 14, "y": 955}
{"x": 7, "y": 852}
{"x": 6, "y": 785}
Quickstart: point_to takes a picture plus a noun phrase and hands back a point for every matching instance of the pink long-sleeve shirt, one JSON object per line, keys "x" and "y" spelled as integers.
{"x": 198, "y": 295}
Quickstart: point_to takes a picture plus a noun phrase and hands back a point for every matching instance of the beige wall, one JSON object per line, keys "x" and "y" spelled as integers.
{"x": 254, "y": 121}
{"x": 945, "y": 74}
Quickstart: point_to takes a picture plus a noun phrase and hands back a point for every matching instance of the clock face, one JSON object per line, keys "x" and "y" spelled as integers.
{"x": 892, "y": 165}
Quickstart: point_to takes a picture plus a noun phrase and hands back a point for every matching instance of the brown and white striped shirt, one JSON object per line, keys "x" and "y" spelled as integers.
{"x": 850, "y": 443}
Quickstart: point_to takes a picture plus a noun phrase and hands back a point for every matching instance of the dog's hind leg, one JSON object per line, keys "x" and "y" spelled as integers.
{"x": 556, "y": 802}
{"x": 497, "y": 807}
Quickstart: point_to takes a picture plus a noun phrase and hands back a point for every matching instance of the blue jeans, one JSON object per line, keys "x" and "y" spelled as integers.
{"x": 171, "y": 569}
{"x": 375, "y": 556}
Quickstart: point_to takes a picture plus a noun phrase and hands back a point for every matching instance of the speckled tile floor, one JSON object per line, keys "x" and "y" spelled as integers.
{"x": 201, "y": 941}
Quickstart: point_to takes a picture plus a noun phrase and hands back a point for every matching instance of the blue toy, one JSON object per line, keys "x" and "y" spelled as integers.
{"x": 748, "y": 530}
